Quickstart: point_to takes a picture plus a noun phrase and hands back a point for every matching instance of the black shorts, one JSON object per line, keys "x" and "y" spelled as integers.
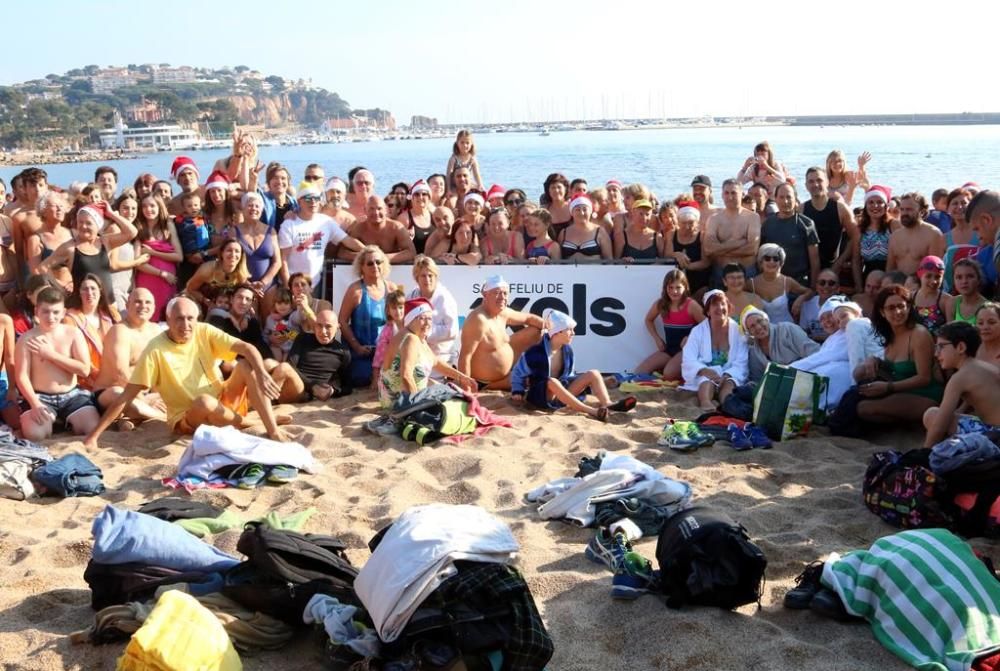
{"x": 68, "y": 403}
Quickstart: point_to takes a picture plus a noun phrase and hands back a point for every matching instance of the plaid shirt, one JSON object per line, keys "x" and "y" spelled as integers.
{"x": 484, "y": 586}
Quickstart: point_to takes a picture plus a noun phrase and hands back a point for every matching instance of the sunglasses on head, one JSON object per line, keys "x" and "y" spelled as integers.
{"x": 932, "y": 267}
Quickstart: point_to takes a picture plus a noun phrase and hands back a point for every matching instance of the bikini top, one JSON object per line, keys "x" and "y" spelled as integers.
{"x": 588, "y": 248}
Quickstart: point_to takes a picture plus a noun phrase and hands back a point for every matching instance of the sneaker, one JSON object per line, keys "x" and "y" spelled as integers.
{"x": 758, "y": 438}
{"x": 695, "y": 433}
{"x": 600, "y": 549}
{"x": 807, "y": 584}
{"x": 675, "y": 436}
{"x": 634, "y": 577}
{"x": 738, "y": 438}
{"x": 382, "y": 426}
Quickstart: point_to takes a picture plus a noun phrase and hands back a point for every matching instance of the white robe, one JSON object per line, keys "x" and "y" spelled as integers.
{"x": 830, "y": 361}
{"x": 697, "y": 354}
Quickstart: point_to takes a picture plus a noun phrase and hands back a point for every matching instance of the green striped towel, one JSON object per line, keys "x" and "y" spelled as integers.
{"x": 928, "y": 598}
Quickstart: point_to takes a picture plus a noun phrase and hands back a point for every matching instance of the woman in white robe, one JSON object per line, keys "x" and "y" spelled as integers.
{"x": 714, "y": 359}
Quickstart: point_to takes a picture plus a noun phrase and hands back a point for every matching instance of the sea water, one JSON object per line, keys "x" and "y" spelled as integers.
{"x": 906, "y": 158}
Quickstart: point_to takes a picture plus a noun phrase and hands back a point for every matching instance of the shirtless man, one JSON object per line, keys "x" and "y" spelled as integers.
{"x": 122, "y": 346}
{"x": 701, "y": 189}
{"x": 185, "y": 173}
{"x": 866, "y": 299}
{"x": 487, "y": 353}
{"x": 733, "y": 233}
{"x": 11, "y": 207}
{"x": 24, "y": 219}
{"x": 387, "y": 234}
{"x": 106, "y": 179}
{"x": 362, "y": 188}
{"x": 180, "y": 365}
{"x": 973, "y": 383}
{"x": 48, "y": 359}
{"x": 336, "y": 202}
{"x": 915, "y": 238}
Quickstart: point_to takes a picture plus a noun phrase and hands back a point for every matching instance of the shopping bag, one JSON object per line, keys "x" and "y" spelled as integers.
{"x": 788, "y": 401}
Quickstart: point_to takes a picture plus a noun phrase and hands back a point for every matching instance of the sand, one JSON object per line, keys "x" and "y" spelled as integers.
{"x": 799, "y": 501}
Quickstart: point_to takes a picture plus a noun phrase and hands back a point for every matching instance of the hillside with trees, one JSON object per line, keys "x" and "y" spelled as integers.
{"x": 70, "y": 109}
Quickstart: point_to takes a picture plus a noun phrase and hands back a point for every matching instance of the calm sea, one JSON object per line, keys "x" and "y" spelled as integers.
{"x": 920, "y": 158}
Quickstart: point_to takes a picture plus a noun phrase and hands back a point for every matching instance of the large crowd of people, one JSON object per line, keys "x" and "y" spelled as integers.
{"x": 201, "y": 302}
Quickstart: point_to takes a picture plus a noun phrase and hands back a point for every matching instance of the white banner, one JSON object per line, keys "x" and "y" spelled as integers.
{"x": 608, "y": 303}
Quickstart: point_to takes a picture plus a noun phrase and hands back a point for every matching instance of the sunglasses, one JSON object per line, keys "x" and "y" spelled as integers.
{"x": 310, "y": 199}
{"x": 313, "y": 178}
{"x": 827, "y": 283}
{"x": 372, "y": 263}
{"x": 515, "y": 202}
{"x": 772, "y": 259}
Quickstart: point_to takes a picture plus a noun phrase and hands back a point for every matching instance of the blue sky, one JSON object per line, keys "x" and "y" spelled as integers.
{"x": 519, "y": 60}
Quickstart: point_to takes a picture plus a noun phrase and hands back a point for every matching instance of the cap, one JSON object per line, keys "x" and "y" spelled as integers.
{"x": 702, "y": 180}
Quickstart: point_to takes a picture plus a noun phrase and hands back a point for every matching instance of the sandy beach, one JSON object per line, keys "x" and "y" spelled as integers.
{"x": 799, "y": 501}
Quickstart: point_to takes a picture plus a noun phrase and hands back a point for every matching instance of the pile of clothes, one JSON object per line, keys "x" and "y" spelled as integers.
{"x": 611, "y": 487}
{"x": 179, "y": 600}
{"x": 221, "y": 457}
{"x": 28, "y": 469}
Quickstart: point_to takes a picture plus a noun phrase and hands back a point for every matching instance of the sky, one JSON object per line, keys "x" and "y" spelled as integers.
{"x": 516, "y": 60}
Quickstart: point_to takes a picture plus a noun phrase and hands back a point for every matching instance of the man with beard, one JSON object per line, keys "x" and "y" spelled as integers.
{"x": 387, "y": 234}
{"x": 915, "y": 239}
{"x": 983, "y": 212}
{"x": 796, "y": 234}
{"x": 732, "y": 234}
{"x": 701, "y": 189}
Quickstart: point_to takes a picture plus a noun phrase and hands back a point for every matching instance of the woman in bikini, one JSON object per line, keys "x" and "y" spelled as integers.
{"x": 583, "y": 240}
{"x": 639, "y": 241}
{"x": 555, "y": 191}
{"x": 418, "y": 215}
{"x": 460, "y": 248}
{"x": 773, "y": 287}
{"x": 684, "y": 246}
{"x": 909, "y": 362}
{"x": 933, "y": 306}
{"x": 988, "y": 325}
{"x": 678, "y": 313}
{"x": 89, "y": 310}
{"x": 539, "y": 248}
{"x": 498, "y": 243}
{"x": 52, "y": 209}
{"x": 226, "y": 272}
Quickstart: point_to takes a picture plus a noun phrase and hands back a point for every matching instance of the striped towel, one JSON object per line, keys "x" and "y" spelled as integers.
{"x": 929, "y": 599}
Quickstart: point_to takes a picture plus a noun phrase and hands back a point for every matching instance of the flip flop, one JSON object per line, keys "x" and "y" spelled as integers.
{"x": 602, "y": 414}
{"x": 624, "y": 405}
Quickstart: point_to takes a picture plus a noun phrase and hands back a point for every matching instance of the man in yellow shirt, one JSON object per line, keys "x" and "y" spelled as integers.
{"x": 180, "y": 364}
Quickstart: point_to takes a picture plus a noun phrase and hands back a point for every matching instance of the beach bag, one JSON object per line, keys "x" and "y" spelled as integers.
{"x": 113, "y": 584}
{"x": 707, "y": 559}
{"x": 788, "y": 402}
{"x": 430, "y": 424}
{"x": 903, "y": 491}
{"x": 15, "y": 482}
{"x": 284, "y": 569}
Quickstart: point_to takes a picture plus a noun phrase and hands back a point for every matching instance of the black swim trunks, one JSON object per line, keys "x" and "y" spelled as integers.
{"x": 68, "y": 403}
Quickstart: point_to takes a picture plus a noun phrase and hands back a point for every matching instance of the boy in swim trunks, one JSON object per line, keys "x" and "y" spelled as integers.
{"x": 545, "y": 377}
{"x": 973, "y": 384}
{"x": 48, "y": 360}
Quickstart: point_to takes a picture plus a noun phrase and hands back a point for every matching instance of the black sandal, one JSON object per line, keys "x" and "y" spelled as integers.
{"x": 626, "y": 404}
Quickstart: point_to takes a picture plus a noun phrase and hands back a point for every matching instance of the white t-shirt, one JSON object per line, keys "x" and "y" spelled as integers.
{"x": 308, "y": 240}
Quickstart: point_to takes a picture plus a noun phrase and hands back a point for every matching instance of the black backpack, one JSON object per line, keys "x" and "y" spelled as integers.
{"x": 284, "y": 569}
{"x": 707, "y": 559}
{"x": 113, "y": 584}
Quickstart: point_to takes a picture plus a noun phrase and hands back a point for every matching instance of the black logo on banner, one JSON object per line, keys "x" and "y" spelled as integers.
{"x": 603, "y": 319}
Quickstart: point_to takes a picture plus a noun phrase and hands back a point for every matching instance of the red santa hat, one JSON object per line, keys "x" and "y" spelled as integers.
{"x": 688, "y": 208}
{"x": 217, "y": 180}
{"x": 180, "y": 164}
{"x": 420, "y": 186}
{"x": 496, "y": 191}
{"x": 415, "y": 307}
{"x": 878, "y": 191}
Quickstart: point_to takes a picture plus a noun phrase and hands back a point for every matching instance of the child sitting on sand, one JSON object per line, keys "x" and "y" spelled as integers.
{"x": 395, "y": 305}
{"x": 277, "y": 330}
{"x": 544, "y": 375}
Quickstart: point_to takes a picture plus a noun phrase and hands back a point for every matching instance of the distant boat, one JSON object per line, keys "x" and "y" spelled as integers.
{"x": 545, "y": 132}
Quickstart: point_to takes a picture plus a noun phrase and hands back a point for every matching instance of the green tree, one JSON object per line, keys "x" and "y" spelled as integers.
{"x": 277, "y": 83}
{"x": 90, "y": 70}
